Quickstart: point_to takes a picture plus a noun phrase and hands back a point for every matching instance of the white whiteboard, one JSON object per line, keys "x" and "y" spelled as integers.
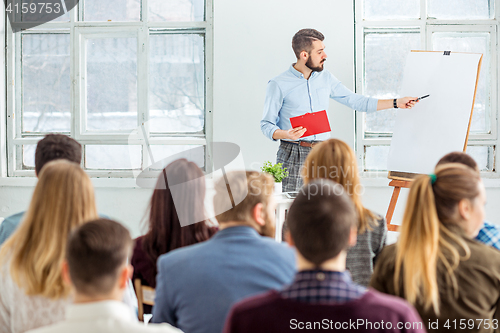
{"x": 438, "y": 124}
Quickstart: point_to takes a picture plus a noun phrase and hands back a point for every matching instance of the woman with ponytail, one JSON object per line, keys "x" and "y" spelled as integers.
{"x": 452, "y": 280}
{"x": 333, "y": 159}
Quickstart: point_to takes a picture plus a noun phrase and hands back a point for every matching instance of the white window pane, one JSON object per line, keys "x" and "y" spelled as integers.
{"x": 113, "y": 157}
{"x": 385, "y": 58}
{"x": 111, "y": 84}
{"x": 383, "y": 9}
{"x": 376, "y": 158}
{"x": 177, "y": 83}
{"x": 161, "y": 152}
{"x": 28, "y": 157}
{"x": 473, "y": 43}
{"x": 45, "y": 83}
{"x": 112, "y": 10}
{"x": 460, "y": 9}
{"x": 176, "y": 10}
{"x": 483, "y": 155}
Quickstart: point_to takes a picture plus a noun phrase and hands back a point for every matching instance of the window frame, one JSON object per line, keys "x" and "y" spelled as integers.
{"x": 425, "y": 27}
{"x": 80, "y": 30}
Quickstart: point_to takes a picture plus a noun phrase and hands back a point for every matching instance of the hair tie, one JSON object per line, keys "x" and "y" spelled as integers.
{"x": 433, "y": 178}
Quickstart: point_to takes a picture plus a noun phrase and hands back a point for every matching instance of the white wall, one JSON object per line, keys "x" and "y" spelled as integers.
{"x": 252, "y": 43}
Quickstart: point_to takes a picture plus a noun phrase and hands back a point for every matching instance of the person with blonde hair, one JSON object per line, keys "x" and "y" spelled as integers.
{"x": 32, "y": 290}
{"x": 333, "y": 159}
{"x": 452, "y": 280}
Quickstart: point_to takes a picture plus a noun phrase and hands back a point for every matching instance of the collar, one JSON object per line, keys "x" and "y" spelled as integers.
{"x": 243, "y": 230}
{"x": 296, "y": 72}
{"x": 102, "y": 309}
{"x": 299, "y": 74}
{"x": 321, "y": 275}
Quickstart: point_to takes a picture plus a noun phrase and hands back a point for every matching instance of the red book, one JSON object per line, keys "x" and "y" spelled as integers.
{"x": 315, "y": 123}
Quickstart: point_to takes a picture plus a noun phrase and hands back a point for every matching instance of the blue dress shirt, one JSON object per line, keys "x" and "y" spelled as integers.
{"x": 290, "y": 95}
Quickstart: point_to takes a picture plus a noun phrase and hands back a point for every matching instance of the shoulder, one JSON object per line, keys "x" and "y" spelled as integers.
{"x": 284, "y": 76}
{"x": 279, "y": 249}
{"x": 489, "y": 235}
{"x": 484, "y": 254}
{"x": 13, "y": 220}
{"x": 139, "y": 255}
{"x": 282, "y": 81}
{"x": 256, "y": 303}
{"x": 330, "y": 77}
{"x": 386, "y": 258}
{"x": 180, "y": 255}
{"x": 381, "y": 301}
{"x": 138, "y": 244}
{"x": 381, "y": 228}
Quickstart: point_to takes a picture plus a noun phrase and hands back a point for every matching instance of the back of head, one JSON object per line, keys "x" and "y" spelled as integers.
{"x": 459, "y": 157}
{"x": 239, "y": 192}
{"x": 320, "y": 220}
{"x": 63, "y": 199}
{"x": 428, "y": 231}
{"x": 303, "y": 40}
{"x": 333, "y": 159}
{"x": 56, "y": 146}
{"x": 177, "y": 210}
{"x": 96, "y": 252}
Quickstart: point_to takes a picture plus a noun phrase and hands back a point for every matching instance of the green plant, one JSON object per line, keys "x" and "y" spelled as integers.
{"x": 276, "y": 170}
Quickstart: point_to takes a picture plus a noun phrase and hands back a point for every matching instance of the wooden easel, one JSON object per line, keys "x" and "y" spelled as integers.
{"x": 397, "y": 184}
{"x": 404, "y": 179}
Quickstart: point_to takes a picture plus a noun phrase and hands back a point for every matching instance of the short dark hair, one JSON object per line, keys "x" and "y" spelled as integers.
{"x": 95, "y": 252}
{"x": 458, "y": 157}
{"x": 303, "y": 40}
{"x": 321, "y": 219}
{"x": 54, "y": 147}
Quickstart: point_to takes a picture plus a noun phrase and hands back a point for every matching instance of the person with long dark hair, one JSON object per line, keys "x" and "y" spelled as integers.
{"x": 165, "y": 230}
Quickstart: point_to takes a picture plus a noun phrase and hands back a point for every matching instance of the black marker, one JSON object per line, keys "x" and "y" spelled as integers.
{"x": 418, "y": 99}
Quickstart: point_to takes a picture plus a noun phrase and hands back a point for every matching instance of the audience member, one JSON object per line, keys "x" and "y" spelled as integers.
{"x": 323, "y": 224}
{"x": 333, "y": 159}
{"x": 165, "y": 231}
{"x": 52, "y": 147}
{"x": 97, "y": 269}
{"x": 196, "y": 285}
{"x": 435, "y": 264}
{"x": 489, "y": 233}
{"x": 32, "y": 291}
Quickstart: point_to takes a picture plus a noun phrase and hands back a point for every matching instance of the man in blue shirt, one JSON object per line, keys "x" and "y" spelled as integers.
{"x": 197, "y": 285}
{"x": 51, "y": 147}
{"x": 304, "y": 88}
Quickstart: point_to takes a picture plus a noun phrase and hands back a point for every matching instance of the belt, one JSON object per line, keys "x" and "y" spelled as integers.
{"x": 308, "y": 144}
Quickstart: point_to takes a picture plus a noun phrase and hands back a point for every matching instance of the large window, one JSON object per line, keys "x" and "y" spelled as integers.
{"x": 385, "y": 34}
{"x": 129, "y": 79}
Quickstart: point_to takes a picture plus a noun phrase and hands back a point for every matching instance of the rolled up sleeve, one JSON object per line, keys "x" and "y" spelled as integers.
{"x": 272, "y": 106}
{"x": 358, "y": 102}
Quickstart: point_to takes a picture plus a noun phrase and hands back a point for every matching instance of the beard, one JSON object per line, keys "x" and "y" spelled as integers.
{"x": 269, "y": 228}
{"x": 319, "y": 68}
